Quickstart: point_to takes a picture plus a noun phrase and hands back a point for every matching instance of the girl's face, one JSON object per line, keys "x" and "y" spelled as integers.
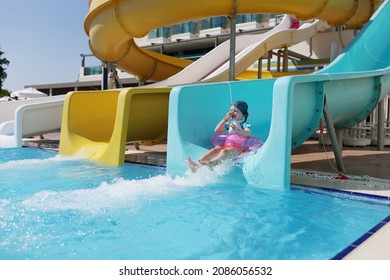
{"x": 236, "y": 113}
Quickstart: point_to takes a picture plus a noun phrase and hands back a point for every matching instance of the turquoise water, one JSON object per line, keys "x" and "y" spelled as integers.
{"x": 54, "y": 207}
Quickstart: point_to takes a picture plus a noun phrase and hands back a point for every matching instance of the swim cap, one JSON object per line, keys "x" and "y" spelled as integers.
{"x": 242, "y": 106}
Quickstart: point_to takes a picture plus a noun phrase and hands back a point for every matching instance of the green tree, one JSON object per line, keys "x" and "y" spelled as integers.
{"x": 4, "y": 92}
{"x": 3, "y": 74}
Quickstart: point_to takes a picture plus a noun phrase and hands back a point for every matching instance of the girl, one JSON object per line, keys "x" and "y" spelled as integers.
{"x": 227, "y": 145}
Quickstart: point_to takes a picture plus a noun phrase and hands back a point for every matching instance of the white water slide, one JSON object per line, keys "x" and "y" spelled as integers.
{"x": 31, "y": 117}
{"x": 214, "y": 66}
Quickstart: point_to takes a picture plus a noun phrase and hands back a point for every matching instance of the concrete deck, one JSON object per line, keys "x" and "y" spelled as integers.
{"x": 366, "y": 168}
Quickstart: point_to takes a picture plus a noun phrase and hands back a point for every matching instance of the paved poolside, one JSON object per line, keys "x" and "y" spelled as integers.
{"x": 366, "y": 168}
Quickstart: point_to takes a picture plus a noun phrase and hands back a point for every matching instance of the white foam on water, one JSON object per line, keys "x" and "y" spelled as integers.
{"x": 35, "y": 163}
{"x": 119, "y": 193}
{"x": 3, "y": 212}
{"x": 3, "y": 204}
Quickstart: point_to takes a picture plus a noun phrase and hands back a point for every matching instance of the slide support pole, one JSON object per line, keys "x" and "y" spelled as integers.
{"x": 232, "y": 60}
{"x": 333, "y": 138}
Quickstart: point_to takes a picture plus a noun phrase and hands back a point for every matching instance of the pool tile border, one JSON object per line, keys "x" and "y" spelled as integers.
{"x": 361, "y": 239}
{"x": 342, "y": 254}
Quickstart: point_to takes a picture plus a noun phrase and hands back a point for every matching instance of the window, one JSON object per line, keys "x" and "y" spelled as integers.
{"x": 159, "y": 32}
{"x": 184, "y": 28}
{"x": 213, "y": 22}
{"x": 249, "y": 18}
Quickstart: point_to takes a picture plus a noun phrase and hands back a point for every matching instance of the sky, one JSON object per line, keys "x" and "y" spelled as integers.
{"x": 43, "y": 40}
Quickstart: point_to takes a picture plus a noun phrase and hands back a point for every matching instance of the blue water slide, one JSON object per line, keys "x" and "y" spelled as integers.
{"x": 284, "y": 112}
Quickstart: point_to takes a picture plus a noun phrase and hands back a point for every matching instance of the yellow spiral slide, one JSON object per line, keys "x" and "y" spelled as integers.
{"x": 98, "y": 124}
{"x": 112, "y": 24}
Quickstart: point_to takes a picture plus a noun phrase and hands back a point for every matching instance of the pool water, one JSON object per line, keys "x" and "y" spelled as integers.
{"x": 55, "y": 207}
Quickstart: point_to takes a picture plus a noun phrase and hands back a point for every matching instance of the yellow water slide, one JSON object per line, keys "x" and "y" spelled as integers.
{"x": 97, "y": 124}
{"x": 112, "y": 25}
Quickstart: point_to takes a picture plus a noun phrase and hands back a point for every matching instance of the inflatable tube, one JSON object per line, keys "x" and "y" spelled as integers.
{"x": 246, "y": 143}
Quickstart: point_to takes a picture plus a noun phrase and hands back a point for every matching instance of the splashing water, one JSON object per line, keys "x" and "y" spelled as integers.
{"x": 119, "y": 193}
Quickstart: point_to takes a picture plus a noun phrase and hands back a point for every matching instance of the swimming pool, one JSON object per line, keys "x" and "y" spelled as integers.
{"x": 54, "y": 207}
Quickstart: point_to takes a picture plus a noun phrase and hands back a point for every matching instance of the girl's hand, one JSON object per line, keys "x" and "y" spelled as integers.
{"x": 234, "y": 127}
{"x": 228, "y": 115}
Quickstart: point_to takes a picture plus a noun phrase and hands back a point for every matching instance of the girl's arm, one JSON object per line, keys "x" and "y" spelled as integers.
{"x": 221, "y": 125}
{"x": 244, "y": 132}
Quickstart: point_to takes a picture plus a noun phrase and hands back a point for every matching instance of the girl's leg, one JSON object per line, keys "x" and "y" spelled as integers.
{"x": 193, "y": 166}
{"x": 210, "y": 154}
{"x": 224, "y": 155}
